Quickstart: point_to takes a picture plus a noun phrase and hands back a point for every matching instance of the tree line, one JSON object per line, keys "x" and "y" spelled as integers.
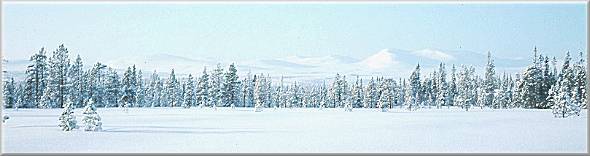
{"x": 54, "y": 81}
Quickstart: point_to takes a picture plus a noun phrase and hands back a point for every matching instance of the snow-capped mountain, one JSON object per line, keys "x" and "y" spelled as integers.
{"x": 386, "y": 62}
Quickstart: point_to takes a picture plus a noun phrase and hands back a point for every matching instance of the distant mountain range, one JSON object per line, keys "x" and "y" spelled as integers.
{"x": 387, "y": 62}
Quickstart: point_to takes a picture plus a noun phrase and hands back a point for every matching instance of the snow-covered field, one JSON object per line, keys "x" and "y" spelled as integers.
{"x": 298, "y": 130}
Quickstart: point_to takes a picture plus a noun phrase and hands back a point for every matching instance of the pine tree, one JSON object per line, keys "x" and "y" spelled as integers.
{"x": 579, "y": 96}
{"x": 36, "y": 79}
{"x": 172, "y": 90}
{"x": 78, "y": 82}
{"x": 97, "y": 84}
{"x": 412, "y": 94}
{"x": 323, "y": 96}
{"x": 10, "y": 94}
{"x": 129, "y": 94}
{"x": 91, "y": 120}
{"x": 248, "y": 91}
{"x": 154, "y": 89}
{"x": 189, "y": 93}
{"x": 370, "y": 100}
{"x": 443, "y": 91}
{"x": 386, "y": 98}
{"x": 203, "y": 89}
{"x": 141, "y": 92}
{"x": 565, "y": 105}
{"x": 260, "y": 94}
{"x": 67, "y": 120}
{"x": 113, "y": 88}
{"x": 58, "y": 78}
{"x": 489, "y": 84}
{"x": 465, "y": 89}
{"x": 452, "y": 87}
{"x": 357, "y": 93}
{"x": 231, "y": 85}
{"x": 294, "y": 98}
{"x": 216, "y": 85}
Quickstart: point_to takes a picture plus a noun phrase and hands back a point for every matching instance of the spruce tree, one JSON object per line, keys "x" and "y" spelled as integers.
{"x": 58, "y": 83}
{"x": 260, "y": 94}
{"x": 189, "y": 93}
{"x": 412, "y": 94}
{"x": 36, "y": 78}
{"x": 565, "y": 105}
{"x": 67, "y": 120}
{"x": 489, "y": 84}
{"x": 10, "y": 97}
{"x": 78, "y": 82}
{"x": 203, "y": 89}
{"x": 91, "y": 120}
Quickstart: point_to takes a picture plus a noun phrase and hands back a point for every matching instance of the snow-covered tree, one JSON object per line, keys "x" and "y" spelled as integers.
{"x": 36, "y": 78}
{"x": 216, "y": 87}
{"x": 465, "y": 89}
{"x": 357, "y": 93}
{"x": 565, "y": 105}
{"x": 129, "y": 89}
{"x": 260, "y": 93}
{"x": 294, "y": 98}
{"x": 412, "y": 94}
{"x": 67, "y": 120}
{"x": 231, "y": 86}
{"x": 386, "y": 99}
{"x": 203, "y": 89}
{"x": 141, "y": 90}
{"x": 489, "y": 84}
{"x": 452, "y": 91}
{"x": 97, "y": 81}
{"x": 10, "y": 96}
{"x": 154, "y": 90}
{"x": 579, "y": 91}
{"x": 189, "y": 97}
{"x": 57, "y": 81}
{"x": 172, "y": 89}
{"x": 443, "y": 91}
{"x": 76, "y": 74}
{"x": 112, "y": 88}
{"x": 370, "y": 99}
{"x": 91, "y": 120}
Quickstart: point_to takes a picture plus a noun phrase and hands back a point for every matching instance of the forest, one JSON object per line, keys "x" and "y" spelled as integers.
{"x": 54, "y": 81}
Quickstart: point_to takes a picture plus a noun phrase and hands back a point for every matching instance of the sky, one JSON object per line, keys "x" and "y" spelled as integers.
{"x": 242, "y": 31}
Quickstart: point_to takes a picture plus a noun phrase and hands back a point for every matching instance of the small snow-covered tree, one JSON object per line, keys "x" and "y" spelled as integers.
{"x": 91, "y": 120}
{"x": 67, "y": 120}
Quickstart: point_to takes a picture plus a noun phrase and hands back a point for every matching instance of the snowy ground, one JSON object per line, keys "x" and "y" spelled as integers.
{"x": 299, "y": 130}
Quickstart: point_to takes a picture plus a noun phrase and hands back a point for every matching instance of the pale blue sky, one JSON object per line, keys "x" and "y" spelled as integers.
{"x": 248, "y": 31}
